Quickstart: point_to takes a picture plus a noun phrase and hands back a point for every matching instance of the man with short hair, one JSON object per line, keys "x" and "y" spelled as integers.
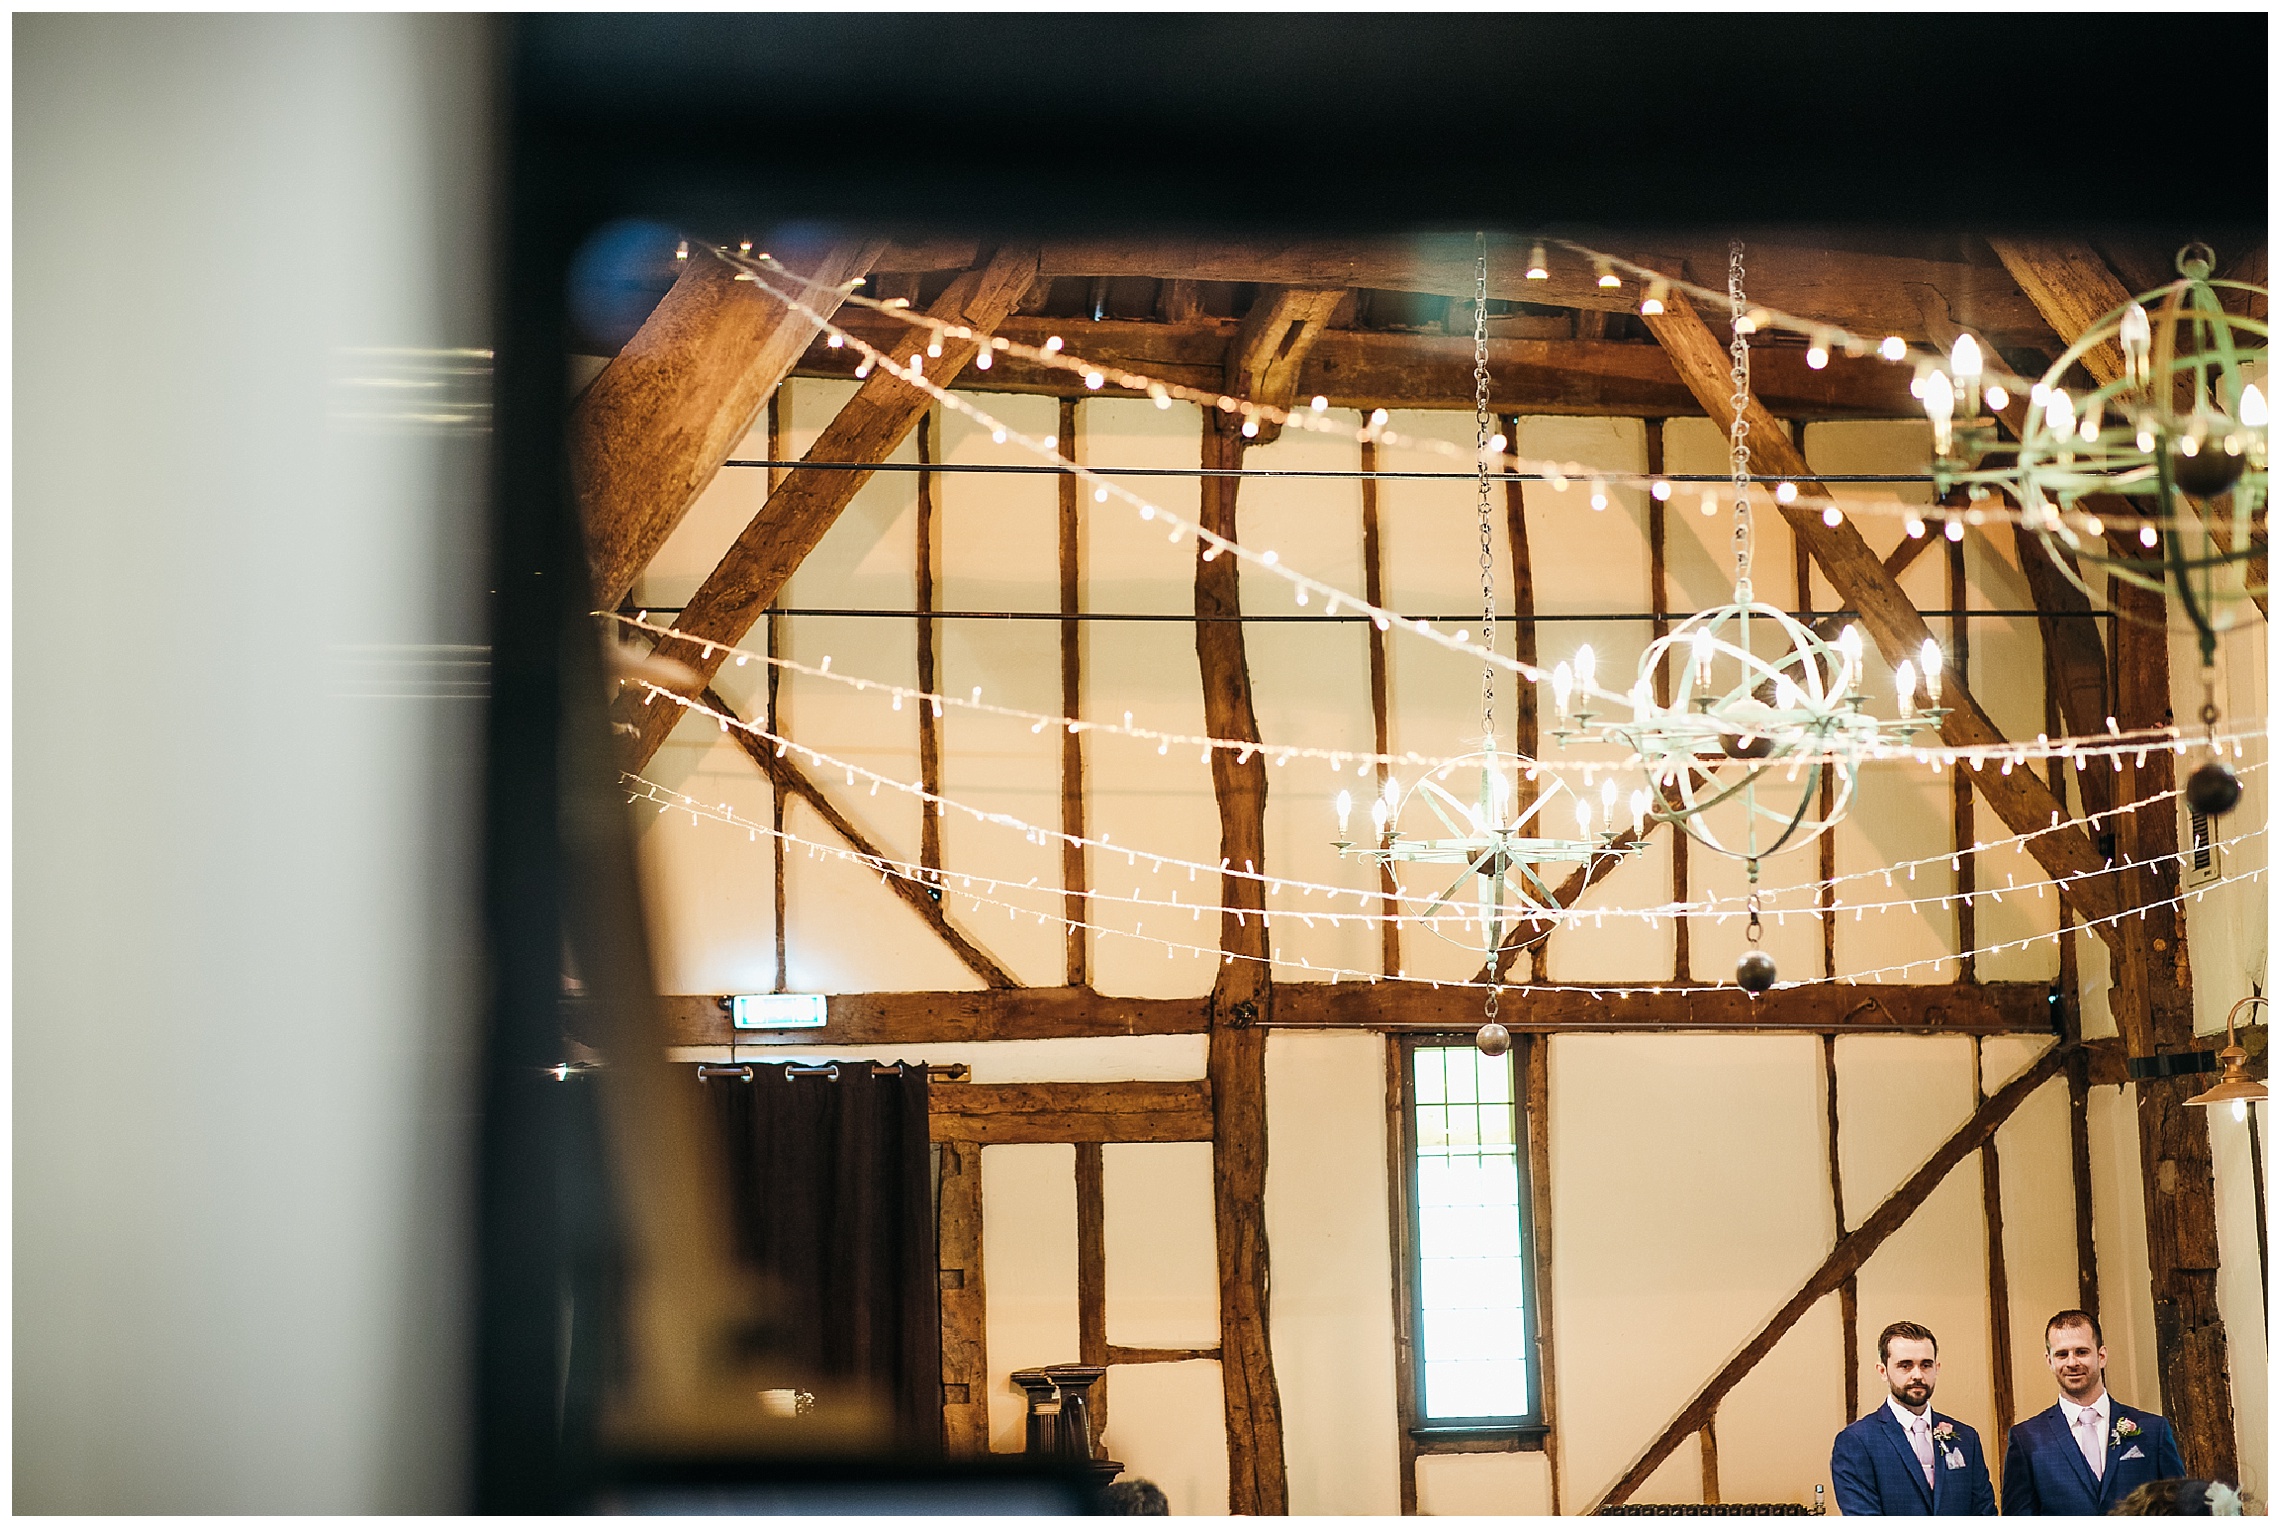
{"x": 1903, "y": 1458}
{"x": 2089, "y": 1451}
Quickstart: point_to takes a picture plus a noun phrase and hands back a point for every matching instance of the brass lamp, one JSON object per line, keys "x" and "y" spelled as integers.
{"x": 2236, "y": 1087}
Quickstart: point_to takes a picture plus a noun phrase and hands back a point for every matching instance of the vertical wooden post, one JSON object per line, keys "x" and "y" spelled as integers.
{"x": 1525, "y": 726}
{"x": 1538, "y": 1094}
{"x": 1710, "y": 1461}
{"x": 1373, "y": 590}
{"x": 1241, "y": 995}
{"x": 1998, "y": 1277}
{"x": 1092, "y": 1280}
{"x": 2070, "y": 1027}
{"x": 1073, "y": 883}
{"x": 775, "y": 721}
{"x": 965, "y": 1356}
{"x": 1398, "y": 1126}
{"x": 929, "y": 434}
{"x": 1848, "y": 1293}
{"x": 2153, "y": 1007}
{"x": 1966, "y": 828}
{"x": 1658, "y": 590}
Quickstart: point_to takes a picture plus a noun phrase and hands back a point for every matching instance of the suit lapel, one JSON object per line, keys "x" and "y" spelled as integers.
{"x": 2090, "y": 1483}
{"x": 2116, "y": 1447}
{"x": 1898, "y": 1439}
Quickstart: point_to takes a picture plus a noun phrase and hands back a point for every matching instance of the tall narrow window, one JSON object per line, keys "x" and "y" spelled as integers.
{"x": 1470, "y": 1267}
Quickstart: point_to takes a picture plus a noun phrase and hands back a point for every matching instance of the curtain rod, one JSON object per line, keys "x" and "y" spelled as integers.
{"x": 948, "y": 1071}
{"x": 1333, "y": 474}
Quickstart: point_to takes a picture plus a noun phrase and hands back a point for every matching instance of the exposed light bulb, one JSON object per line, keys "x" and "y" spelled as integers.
{"x": 1345, "y": 805}
{"x": 1582, "y": 814}
{"x": 2058, "y": 413}
{"x": 1904, "y": 681}
{"x": 1607, "y": 794}
{"x": 1379, "y": 812}
{"x": 982, "y": 360}
{"x": 1705, "y": 646}
{"x": 682, "y": 251}
{"x": 1894, "y": 348}
{"x": 1914, "y": 527}
{"x": 1638, "y": 811}
{"x": 1319, "y": 404}
{"x": 1598, "y": 497}
{"x": 1053, "y": 342}
{"x": 1929, "y": 660}
{"x": 1585, "y": 666}
{"x": 1848, "y": 643}
{"x": 1817, "y": 355}
{"x": 1653, "y": 302}
{"x": 1965, "y": 360}
{"x": 1607, "y": 277}
{"x": 1537, "y": 269}
{"x": 1709, "y": 504}
{"x": 1392, "y": 790}
{"x": 1563, "y": 686}
{"x": 1939, "y": 406}
{"x": 2253, "y": 411}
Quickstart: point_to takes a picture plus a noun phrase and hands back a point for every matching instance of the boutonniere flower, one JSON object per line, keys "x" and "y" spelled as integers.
{"x": 1943, "y": 1432}
{"x": 2125, "y": 1428}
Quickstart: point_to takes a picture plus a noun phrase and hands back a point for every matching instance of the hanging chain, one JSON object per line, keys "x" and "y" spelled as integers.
{"x": 1738, "y": 437}
{"x": 1481, "y": 456}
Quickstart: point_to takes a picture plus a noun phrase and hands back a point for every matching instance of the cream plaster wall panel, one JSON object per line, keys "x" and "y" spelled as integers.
{"x": 2038, "y": 1234}
{"x": 2125, "y": 1285}
{"x": 845, "y": 931}
{"x": 1775, "y": 1427}
{"x": 2240, "y": 1292}
{"x": 1029, "y": 1262}
{"x": 1791, "y": 920}
{"x": 2094, "y": 967}
{"x": 1162, "y": 1252}
{"x": 1310, "y": 685}
{"x": 1429, "y": 545}
{"x": 2229, "y": 927}
{"x": 1666, "y": 1259}
{"x": 1484, "y": 1485}
{"x": 1120, "y": 1058}
{"x": 2017, "y": 910}
{"x": 720, "y": 513}
{"x": 1698, "y": 548}
{"x": 997, "y": 548}
{"x": 1899, "y": 816}
{"x": 1168, "y": 1424}
{"x": 1328, "y": 1231}
{"x": 1875, "y": 445}
{"x": 1135, "y": 795}
{"x": 1618, "y": 949}
{"x": 708, "y": 889}
{"x": 1898, "y": 1098}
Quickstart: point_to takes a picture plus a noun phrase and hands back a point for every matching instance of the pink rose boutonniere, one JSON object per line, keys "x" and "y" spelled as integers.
{"x": 1944, "y": 1433}
{"x": 2125, "y": 1428}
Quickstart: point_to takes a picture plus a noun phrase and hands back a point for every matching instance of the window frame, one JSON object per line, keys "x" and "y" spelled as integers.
{"x": 1497, "y": 1434}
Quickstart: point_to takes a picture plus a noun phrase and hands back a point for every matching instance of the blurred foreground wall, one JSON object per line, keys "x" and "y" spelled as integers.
{"x": 250, "y": 431}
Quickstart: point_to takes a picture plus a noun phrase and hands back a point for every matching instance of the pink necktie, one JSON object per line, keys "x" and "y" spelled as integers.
{"x": 2086, "y": 1434}
{"x": 1920, "y": 1434}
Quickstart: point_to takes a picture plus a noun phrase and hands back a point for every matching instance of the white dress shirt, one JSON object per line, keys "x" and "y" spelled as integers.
{"x": 1919, "y": 1431}
{"x": 2091, "y": 1427}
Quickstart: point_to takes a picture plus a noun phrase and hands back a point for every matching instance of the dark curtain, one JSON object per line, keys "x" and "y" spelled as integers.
{"x": 832, "y": 1186}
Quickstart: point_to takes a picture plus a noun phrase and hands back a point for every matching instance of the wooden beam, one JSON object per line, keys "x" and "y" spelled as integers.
{"x": 2106, "y": 1061}
{"x": 1373, "y": 590}
{"x": 1962, "y": 823}
{"x": 1658, "y": 590}
{"x": 1049, "y": 1013}
{"x": 929, "y": 637}
{"x": 1369, "y": 369}
{"x": 1866, "y": 291}
{"x": 2071, "y": 287}
{"x": 789, "y": 778}
{"x": 2074, "y": 657}
{"x": 650, "y": 432}
{"x": 1848, "y": 1293}
{"x": 1527, "y": 736}
{"x": 782, "y": 901}
{"x": 1710, "y": 1460}
{"x": 1073, "y": 881}
{"x": 1008, "y": 1113}
{"x": 1844, "y": 1261}
{"x": 1998, "y": 1277}
{"x": 1400, "y": 1219}
{"x": 2153, "y": 1008}
{"x": 1117, "y": 1355}
{"x": 2020, "y": 798}
{"x": 1092, "y": 1279}
{"x": 965, "y": 1354}
{"x": 1243, "y": 991}
{"x": 806, "y": 504}
{"x": 1537, "y": 1093}
{"x": 1274, "y": 339}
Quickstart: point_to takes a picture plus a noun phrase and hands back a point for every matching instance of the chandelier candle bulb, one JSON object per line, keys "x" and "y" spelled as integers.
{"x": 1929, "y": 657}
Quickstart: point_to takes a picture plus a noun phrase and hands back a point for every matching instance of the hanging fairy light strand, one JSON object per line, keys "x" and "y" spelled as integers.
{"x": 668, "y": 801}
{"x": 1039, "y": 834}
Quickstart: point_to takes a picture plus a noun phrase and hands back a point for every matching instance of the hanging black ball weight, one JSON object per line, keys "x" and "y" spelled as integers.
{"x": 1755, "y": 972}
{"x": 2208, "y": 471}
{"x": 1494, "y": 1039}
{"x": 2212, "y": 790}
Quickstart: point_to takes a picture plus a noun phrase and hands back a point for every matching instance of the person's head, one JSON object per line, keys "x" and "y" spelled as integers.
{"x": 1134, "y": 1498}
{"x": 2076, "y": 1351}
{"x": 1908, "y": 1358}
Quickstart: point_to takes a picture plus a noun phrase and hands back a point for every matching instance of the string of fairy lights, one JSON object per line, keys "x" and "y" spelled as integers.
{"x": 640, "y": 789}
{"x": 1039, "y": 834}
{"x": 2116, "y": 744}
{"x": 1377, "y": 430}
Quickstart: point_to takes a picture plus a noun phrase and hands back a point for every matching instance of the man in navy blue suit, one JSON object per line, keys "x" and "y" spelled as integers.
{"x": 1904, "y": 1458}
{"x": 2088, "y": 1451}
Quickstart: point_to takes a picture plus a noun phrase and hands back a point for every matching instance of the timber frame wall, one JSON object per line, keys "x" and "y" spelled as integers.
{"x": 661, "y": 419}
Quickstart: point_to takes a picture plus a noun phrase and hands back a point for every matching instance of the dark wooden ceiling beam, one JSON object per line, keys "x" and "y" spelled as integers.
{"x": 807, "y": 503}
{"x": 1863, "y": 291}
{"x": 2020, "y": 798}
{"x": 1059, "y": 1013}
{"x": 651, "y": 431}
{"x": 1371, "y": 369}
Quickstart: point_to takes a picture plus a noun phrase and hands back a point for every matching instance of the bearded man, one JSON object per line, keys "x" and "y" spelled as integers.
{"x": 1904, "y": 1458}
